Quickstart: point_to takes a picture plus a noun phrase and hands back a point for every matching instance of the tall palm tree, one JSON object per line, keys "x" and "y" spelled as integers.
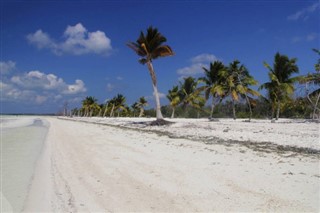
{"x": 281, "y": 85}
{"x": 141, "y": 104}
{"x": 237, "y": 82}
{"x": 150, "y": 46}
{"x": 213, "y": 83}
{"x": 174, "y": 98}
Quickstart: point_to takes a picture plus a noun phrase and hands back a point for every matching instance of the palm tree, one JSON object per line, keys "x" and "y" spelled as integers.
{"x": 119, "y": 103}
{"x": 141, "y": 104}
{"x": 89, "y": 104}
{"x": 313, "y": 78}
{"x": 281, "y": 85}
{"x": 106, "y": 108}
{"x": 190, "y": 95}
{"x": 135, "y": 108}
{"x": 174, "y": 98}
{"x": 237, "y": 82}
{"x": 150, "y": 46}
{"x": 213, "y": 83}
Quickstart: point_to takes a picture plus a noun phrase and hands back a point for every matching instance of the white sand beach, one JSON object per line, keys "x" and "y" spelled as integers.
{"x": 122, "y": 164}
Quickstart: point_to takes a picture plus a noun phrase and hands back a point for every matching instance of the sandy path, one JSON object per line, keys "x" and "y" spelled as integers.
{"x": 87, "y": 167}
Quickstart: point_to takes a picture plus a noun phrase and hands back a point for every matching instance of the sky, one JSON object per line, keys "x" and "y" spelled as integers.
{"x": 53, "y": 52}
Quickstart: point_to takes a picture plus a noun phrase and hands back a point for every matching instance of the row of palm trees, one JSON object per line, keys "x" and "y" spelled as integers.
{"x": 220, "y": 82}
{"x": 116, "y": 106}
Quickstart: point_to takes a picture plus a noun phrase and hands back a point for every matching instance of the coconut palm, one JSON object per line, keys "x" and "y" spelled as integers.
{"x": 174, "y": 98}
{"x": 118, "y": 104}
{"x": 213, "y": 83}
{"x": 89, "y": 104}
{"x": 236, "y": 84}
{"x": 190, "y": 95}
{"x": 313, "y": 79}
{"x": 141, "y": 104}
{"x": 150, "y": 46}
{"x": 281, "y": 85}
{"x": 135, "y": 108}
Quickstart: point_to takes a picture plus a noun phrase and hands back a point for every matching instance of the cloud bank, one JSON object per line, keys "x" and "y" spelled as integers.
{"x": 77, "y": 41}
{"x": 36, "y": 87}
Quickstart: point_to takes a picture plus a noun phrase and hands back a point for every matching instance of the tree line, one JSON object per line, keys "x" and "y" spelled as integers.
{"x": 228, "y": 86}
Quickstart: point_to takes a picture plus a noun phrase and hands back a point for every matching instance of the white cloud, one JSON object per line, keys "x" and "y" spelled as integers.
{"x": 78, "y": 41}
{"x": 193, "y": 69}
{"x": 198, "y": 62}
{"x": 38, "y": 88}
{"x": 7, "y": 66}
{"x": 204, "y": 58}
{"x": 41, "y": 40}
{"x": 304, "y": 13}
{"x": 76, "y": 88}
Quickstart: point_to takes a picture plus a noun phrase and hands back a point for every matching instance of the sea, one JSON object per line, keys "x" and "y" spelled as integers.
{"x": 22, "y": 140}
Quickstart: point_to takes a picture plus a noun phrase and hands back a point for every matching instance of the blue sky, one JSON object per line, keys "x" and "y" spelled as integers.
{"x": 58, "y": 51}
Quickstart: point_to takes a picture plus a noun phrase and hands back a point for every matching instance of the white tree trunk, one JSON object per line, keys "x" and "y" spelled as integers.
{"x": 141, "y": 112}
{"x": 158, "y": 106}
{"x": 315, "y": 107}
{"x": 172, "y": 115}
{"x": 105, "y": 111}
{"x": 155, "y": 91}
{"x": 111, "y": 113}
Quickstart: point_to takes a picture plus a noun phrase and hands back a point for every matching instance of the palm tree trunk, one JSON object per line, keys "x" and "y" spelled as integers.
{"x": 278, "y": 111}
{"x": 234, "y": 109}
{"x": 111, "y": 113}
{"x": 141, "y": 112}
{"x": 212, "y": 107}
{"x": 248, "y": 101}
{"x": 173, "y": 109}
{"x": 315, "y": 107}
{"x": 105, "y": 111}
{"x": 155, "y": 90}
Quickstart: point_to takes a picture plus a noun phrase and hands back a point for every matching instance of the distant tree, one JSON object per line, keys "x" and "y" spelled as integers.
{"x": 213, "y": 83}
{"x": 89, "y": 104}
{"x": 281, "y": 84}
{"x": 141, "y": 104}
{"x": 135, "y": 108}
{"x": 190, "y": 94}
{"x": 313, "y": 79}
{"x": 150, "y": 46}
{"x": 174, "y": 98}
{"x": 237, "y": 80}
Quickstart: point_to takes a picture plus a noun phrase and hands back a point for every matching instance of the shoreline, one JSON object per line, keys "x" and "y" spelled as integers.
{"x": 22, "y": 143}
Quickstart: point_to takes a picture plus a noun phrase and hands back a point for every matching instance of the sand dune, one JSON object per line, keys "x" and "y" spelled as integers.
{"x": 88, "y": 167}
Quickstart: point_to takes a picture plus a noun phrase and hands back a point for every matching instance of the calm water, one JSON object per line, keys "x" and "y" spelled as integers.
{"x": 20, "y": 149}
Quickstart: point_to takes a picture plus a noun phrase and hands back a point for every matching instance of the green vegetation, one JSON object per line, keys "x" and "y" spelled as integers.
{"x": 229, "y": 87}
